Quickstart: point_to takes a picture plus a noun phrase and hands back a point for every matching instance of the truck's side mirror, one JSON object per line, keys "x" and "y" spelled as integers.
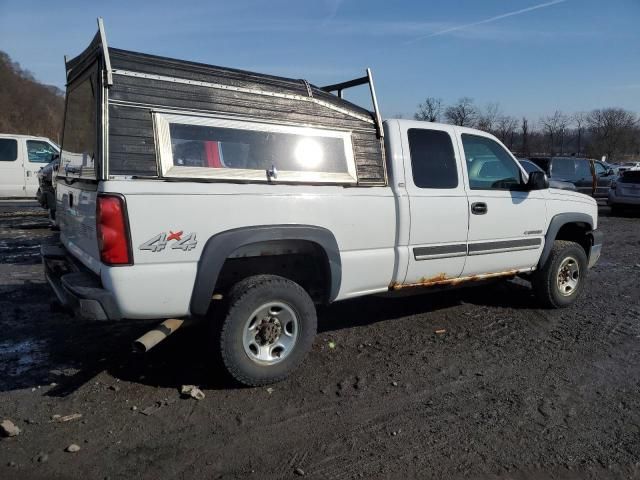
{"x": 54, "y": 156}
{"x": 538, "y": 181}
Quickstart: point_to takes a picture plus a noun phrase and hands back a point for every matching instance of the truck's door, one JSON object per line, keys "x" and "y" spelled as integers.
{"x": 39, "y": 153}
{"x": 437, "y": 202}
{"x": 11, "y": 169}
{"x": 584, "y": 179}
{"x": 604, "y": 177}
{"x": 506, "y": 223}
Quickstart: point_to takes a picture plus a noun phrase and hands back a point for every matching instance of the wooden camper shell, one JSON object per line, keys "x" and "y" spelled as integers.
{"x": 133, "y": 86}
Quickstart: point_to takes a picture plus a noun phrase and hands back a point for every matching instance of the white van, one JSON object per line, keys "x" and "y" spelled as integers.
{"x": 21, "y": 156}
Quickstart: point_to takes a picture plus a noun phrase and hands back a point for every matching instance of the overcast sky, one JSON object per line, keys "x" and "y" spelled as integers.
{"x": 530, "y": 56}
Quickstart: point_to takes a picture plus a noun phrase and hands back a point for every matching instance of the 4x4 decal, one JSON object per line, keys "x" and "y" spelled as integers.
{"x": 160, "y": 241}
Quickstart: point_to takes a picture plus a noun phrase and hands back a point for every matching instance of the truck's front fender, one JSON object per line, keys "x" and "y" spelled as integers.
{"x": 557, "y": 222}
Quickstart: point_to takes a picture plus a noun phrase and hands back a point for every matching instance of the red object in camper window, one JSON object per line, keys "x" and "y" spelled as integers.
{"x": 212, "y": 151}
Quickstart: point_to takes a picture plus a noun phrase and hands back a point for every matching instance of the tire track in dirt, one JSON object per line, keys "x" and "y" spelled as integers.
{"x": 508, "y": 391}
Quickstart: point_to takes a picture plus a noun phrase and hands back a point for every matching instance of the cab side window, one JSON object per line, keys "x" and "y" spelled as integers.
{"x": 8, "y": 150}
{"x": 583, "y": 170}
{"x": 433, "y": 161}
{"x": 40, "y": 152}
{"x": 489, "y": 165}
{"x": 600, "y": 169}
{"x": 564, "y": 169}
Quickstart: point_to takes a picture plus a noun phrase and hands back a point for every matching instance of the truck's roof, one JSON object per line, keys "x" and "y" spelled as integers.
{"x": 422, "y": 124}
{"x": 32, "y": 137}
{"x": 418, "y": 123}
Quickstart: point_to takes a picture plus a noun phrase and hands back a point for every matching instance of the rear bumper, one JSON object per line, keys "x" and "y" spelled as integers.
{"x": 76, "y": 287}
{"x": 596, "y": 247}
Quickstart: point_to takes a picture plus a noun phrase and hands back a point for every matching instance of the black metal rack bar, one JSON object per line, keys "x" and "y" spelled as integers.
{"x": 368, "y": 79}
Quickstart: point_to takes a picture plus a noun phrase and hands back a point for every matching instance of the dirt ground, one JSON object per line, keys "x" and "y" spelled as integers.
{"x": 508, "y": 391}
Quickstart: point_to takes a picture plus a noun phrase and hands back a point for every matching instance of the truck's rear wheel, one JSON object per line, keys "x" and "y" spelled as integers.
{"x": 559, "y": 282}
{"x": 268, "y": 329}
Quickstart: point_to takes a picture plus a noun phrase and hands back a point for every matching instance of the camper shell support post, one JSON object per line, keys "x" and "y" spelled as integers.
{"x": 105, "y": 51}
{"x": 366, "y": 80}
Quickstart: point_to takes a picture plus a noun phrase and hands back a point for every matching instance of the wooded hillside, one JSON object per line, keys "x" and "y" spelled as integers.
{"x": 26, "y": 105}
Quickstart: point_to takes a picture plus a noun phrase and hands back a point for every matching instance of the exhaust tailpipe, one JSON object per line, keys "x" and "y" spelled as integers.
{"x": 153, "y": 337}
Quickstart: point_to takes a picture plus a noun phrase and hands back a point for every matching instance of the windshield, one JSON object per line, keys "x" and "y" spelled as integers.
{"x": 630, "y": 176}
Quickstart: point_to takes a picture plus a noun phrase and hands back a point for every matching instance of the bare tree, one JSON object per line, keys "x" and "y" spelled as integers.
{"x": 463, "y": 113}
{"x": 488, "y": 118}
{"x": 580, "y": 121}
{"x": 555, "y": 127}
{"x": 612, "y": 130}
{"x": 430, "y": 110}
{"x": 524, "y": 128}
{"x": 506, "y": 128}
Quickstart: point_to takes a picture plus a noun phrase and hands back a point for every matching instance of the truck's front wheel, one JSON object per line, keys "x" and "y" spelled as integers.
{"x": 268, "y": 329}
{"x": 559, "y": 282}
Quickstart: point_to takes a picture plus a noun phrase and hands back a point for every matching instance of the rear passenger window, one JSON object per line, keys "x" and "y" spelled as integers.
{"x": 564, "y": 169}
{"x": 8, "y": 150}
{"x": 583, "y": 170}
{"x": 433, "y": 162}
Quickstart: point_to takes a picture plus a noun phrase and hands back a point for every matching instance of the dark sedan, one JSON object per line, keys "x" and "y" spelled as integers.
{"x": 590, "y": 177}
{"x": 530, "y": 167}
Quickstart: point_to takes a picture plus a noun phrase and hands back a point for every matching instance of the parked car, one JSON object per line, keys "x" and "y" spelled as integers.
{"x": 46, "y": 194}
{"x": 628, "y": 166}
{"x": 531, "y": 167}
{"x": 625, "y": 191}
{"x": 269, "y": 195}
{"x": 591, "y": 177}
{"x": 611, "y": 167}
{"x": 21, "y": 157}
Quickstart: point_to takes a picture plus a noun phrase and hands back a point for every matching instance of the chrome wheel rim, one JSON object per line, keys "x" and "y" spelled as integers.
{"x": 568, "y": 276}
{"x": 270, "y": 333}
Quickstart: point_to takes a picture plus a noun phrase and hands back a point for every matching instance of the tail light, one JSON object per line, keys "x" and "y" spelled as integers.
{"x": 113, "y": 231}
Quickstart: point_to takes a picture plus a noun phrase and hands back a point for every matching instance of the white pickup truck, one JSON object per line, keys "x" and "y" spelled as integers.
{"x": 181, "y": 184}
{"x": 21, "y": 159}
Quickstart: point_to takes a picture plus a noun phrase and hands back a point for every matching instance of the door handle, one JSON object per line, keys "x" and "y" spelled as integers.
{"x": 479, "y": 208}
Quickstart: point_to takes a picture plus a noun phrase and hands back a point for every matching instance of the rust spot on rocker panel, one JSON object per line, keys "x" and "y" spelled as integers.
{"x": 441, "y": 279}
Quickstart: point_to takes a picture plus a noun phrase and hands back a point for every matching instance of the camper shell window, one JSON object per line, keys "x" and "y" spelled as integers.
{"x": 79, "y": 139}
{"x": 231, "y": 149}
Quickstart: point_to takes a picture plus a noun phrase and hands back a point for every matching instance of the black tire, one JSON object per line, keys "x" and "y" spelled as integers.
{"x": 616, "y": 210}
{"x": 243, "y": 300}
{"x": 545, "y": 281}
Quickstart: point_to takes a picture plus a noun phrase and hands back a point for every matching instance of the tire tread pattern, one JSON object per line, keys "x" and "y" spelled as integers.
{"x": 543, "y": 280}
{"x": 236, "y": 298}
